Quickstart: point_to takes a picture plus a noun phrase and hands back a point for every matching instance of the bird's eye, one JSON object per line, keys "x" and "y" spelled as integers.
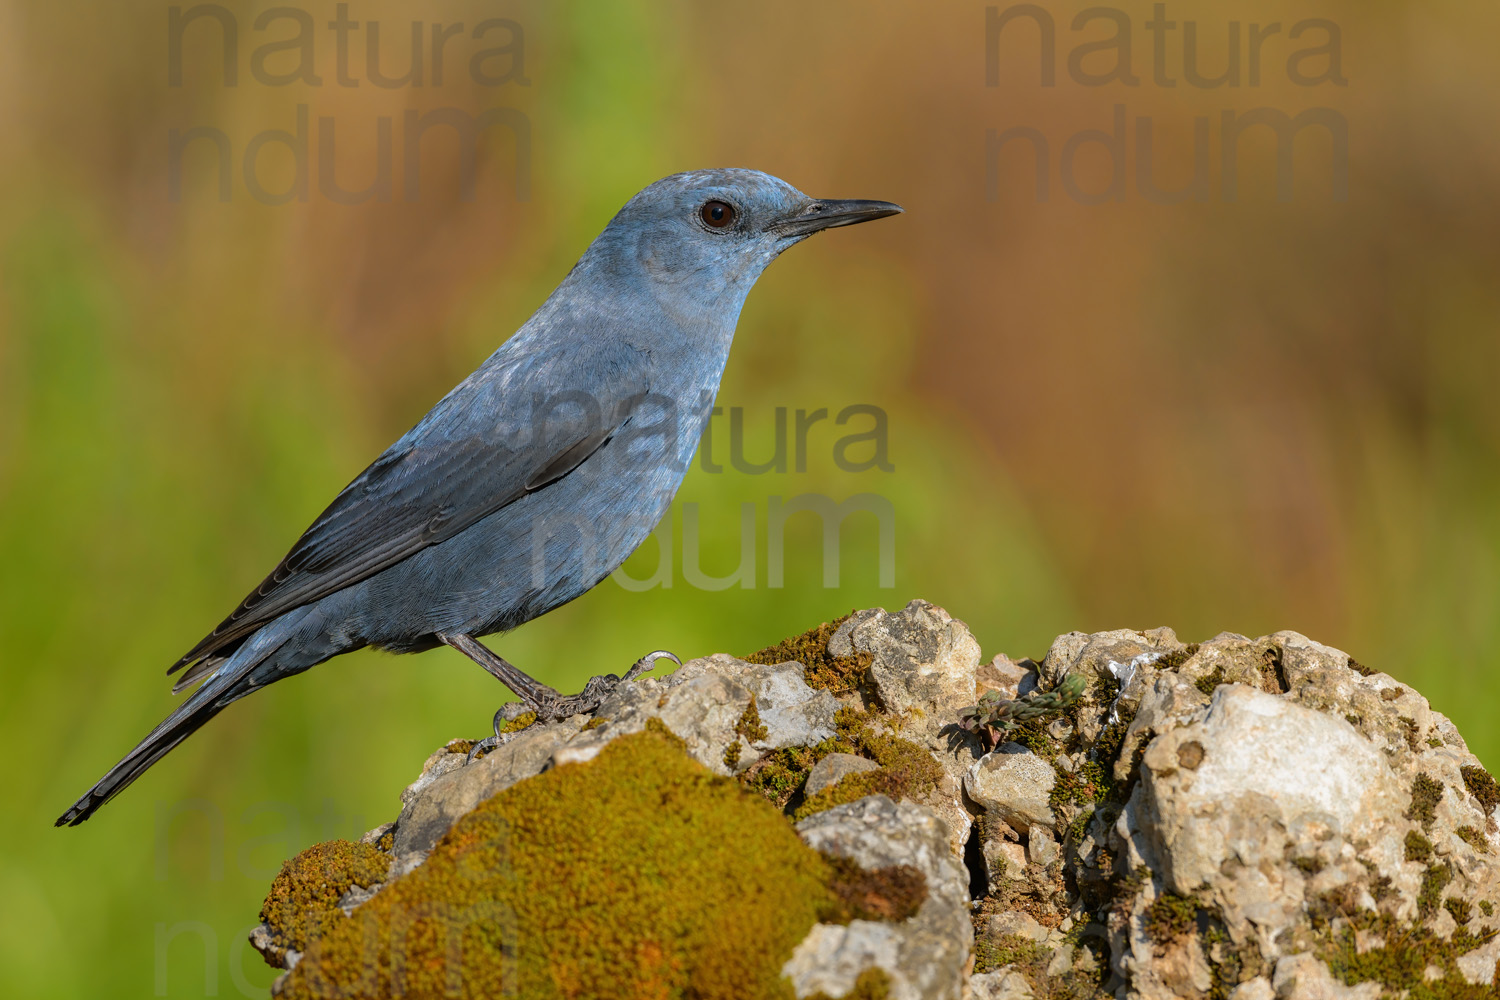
{"x": 717, "y": 215}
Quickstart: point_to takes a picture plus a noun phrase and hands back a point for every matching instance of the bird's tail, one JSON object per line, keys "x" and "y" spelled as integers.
{"x": 234, "y": 678}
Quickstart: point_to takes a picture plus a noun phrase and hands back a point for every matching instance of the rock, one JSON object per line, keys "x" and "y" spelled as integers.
{"x": 827, "y": 772}
{"x": 1478, "y": 966}
{"x": 1272, "y": 764}
{"x": 1041, "y": 848}
{"x": 1258, "y": 988}
{"x": 1303, "y": 977}
{"x": 794, "y": 714}
{"x": 1004, "y": 985}
{"x": 1018, "y": 923}
{"x": 925, "y": 955}
{"x": 1014, "y": 784}
{"x": 1219, "y": 818}
{"x": 924, "y": 659}
{"x": 447, "y": 789}
{"x": 1011, "y": 678}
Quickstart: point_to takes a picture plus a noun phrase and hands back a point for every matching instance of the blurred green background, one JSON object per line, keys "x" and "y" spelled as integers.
{"x": 1246, "y": 414}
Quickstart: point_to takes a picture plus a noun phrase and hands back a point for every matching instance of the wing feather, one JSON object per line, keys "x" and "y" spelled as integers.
{"x": 436, "y": 481}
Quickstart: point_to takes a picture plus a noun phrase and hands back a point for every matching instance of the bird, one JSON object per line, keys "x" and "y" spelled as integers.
{"x": 534, "y": 478}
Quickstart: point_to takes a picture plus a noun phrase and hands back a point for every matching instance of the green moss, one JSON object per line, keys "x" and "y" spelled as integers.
{"x": 1412, "y": 732}
{"x": 1426, "y": 792}
{"x": 1033, "y": 736}
{"x": 892, "y": 893}
{"x": 1360, "y": 668}
{"x": 1400, "y": 963}
{"x": 460, "y": 746}
{"x": 1079, "y": 827}
{"x": 1434, "y": 881}
{"x": 594, "y": 723}
{"x": 1210, "y": 682}
{"x": 1434, "y": 741}
{"x": 1418, "y": 847}
{"x": 603, "y": 878}
{"x": 1461, "y": 909}
{"x": 305, "y": 893}
{"x": 732, "y": 755}
{"x": 1486, "y": 907}
{"x": 1171, "y": 916}
{"x": 906, "y": 769}
{"x": 778, "y": 776}
{"x": 872, "y": 984}
{"x": 750, "y": 725}
{"x": 822, "y": 670}
{"x": 1009, "y": 949}
{"x": 1177, "y": 657}
{"x": 1481, "y": 785}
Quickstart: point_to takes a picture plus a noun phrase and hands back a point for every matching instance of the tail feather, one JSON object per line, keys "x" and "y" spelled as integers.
{"x": 230, "y": 681}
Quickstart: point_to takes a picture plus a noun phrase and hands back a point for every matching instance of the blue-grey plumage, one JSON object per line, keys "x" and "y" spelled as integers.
{"x": 535, "y": 477}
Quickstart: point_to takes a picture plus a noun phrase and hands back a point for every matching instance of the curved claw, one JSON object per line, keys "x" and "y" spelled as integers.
{"x": 646, "y": 662}
{"x": 483, "y": 746}
{"x": 507, "y": 712}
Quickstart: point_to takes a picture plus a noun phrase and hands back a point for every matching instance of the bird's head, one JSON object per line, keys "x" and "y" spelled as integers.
{"x": 715, "y": 231}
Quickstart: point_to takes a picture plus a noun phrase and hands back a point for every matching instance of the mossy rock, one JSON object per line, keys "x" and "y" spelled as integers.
{"x": 600, "y": 879}
{"x": 821, "y": 669}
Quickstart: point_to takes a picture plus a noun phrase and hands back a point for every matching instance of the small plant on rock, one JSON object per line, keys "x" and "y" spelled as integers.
{"x": 996, "y": 715}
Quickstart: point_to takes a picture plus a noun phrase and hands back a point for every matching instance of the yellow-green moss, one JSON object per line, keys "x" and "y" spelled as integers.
{"x": 460, "y": 746}
{"x": 906, "y": 769}
{"x": 519, "y": 723}
{"x": 1486, "y": 907}
{"x": 1481, "y": 785}
{"x": 1009, "y": 949}
{"x": 1401, "y": 961}
{"x": 602, "y": 878}
{"x": 593, "y": 724}
{"x": 305, "y": 893}
{"x": 750, "y": 725}
{"x": 1426, "y": 792}
{"x": 821, "y": 670}
{"x": 732, "y": 755}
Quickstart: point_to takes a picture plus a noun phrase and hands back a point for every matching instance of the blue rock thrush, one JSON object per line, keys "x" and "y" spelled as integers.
{"x": 532, "y": 480}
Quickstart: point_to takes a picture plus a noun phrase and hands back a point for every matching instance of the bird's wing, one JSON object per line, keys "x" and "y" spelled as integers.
{"x": 463, "y": 462}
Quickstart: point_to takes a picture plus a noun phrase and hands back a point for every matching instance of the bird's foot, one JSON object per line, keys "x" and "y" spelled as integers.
{"x": 549, "y": 706}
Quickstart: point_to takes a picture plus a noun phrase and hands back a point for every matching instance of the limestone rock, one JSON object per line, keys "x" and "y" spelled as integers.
{"x": 1223, "y": 818}
{"x": 1003, "y": 985}
{"x": 827, "y": 772}
{"x": 1014, "y": 784}
{"x": 925, "y": 955}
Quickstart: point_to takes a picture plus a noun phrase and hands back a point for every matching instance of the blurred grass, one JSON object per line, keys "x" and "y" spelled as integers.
{"x": 1243, "y": 416}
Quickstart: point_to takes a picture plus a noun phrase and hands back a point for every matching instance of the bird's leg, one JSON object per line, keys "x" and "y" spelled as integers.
{"x": 533, "y": 692}
{"x": 546, "y": 702}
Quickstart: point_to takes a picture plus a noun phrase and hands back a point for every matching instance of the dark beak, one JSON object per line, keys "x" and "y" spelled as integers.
{"x": 831, "y": 214}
